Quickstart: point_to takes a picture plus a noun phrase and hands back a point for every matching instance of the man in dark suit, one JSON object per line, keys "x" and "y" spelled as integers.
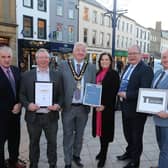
{"x": 9, "y": 108}
{"x": 136, "y": 75}
{"x": 41, "y": 118}
{"x": 76, "y": 73}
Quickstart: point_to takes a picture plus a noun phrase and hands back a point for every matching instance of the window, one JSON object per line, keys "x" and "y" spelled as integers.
{"x": 122, "y": 42}
{"x": 42, "y": 5}
{"x": 70, "y": 34}
{"x": 123, "y": 26}
{"x": 127, "y": 27}
{"x": 27, "y": 26}
{"x": 101, "y": 38}
{"x": 71, "y": 14}
{"x": 94, "y": 37}
{"x": 102, "y": 19}
{"x": 28, "y": 3}
{"x": 131, "y": 28}
{"x": 108, "y": 40}
{"x": 108, "y": 21}
{"x": 137, "y": 32}
{"x": 118, "y": 40}
{"x": 94, "y": 17}
{"x": 41, "y": 28}
{"x": 59, "y": 29}
{"x": 126, "y": 42}
{"x": 86, "y": 14}
{"x": 118, "y": 25}
{"x": 85, "y": 35}
{"x": 59, "y": 11}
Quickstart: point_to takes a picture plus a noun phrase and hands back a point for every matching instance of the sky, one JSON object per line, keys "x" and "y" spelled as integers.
{"x": 144, "y": 12}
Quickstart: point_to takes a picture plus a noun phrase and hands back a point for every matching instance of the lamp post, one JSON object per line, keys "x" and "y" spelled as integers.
{"x": 115, "y": 14}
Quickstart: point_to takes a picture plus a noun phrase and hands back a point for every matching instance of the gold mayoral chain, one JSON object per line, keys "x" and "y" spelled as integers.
{"x": 76, "y": 76}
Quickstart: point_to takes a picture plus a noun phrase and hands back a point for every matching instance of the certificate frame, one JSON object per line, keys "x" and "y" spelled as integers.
{"x": 43, "y": 93}
{"x": 152, "y": 100}
{"x": 92, "y": 95}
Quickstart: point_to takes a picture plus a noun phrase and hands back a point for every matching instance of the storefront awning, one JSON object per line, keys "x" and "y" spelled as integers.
{"x": 121, "y": 53}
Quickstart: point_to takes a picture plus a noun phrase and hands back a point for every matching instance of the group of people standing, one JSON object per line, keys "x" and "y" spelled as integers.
{"x": 69, "y": 82}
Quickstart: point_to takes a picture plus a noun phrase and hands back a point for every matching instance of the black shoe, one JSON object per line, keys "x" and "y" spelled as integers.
{"x": 123, "y": 157}
{"x": 98, "y": 156}
{"x": 132, "y": 164}
{"x": 101, "y": 163}
{"x": 77, "y": 161}
{"x": 67, "y": 166}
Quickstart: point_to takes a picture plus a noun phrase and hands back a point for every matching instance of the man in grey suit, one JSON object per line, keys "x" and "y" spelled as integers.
{"x": 76, "y": 73}
{"x": 40, "y": 118}
{"x": 160, "y": 81}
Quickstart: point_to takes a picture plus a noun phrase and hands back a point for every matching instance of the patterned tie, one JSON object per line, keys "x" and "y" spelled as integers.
{"x": 12, "y": 81}
{"x": 160, "y": 78}
{"x": 77, "y": 93}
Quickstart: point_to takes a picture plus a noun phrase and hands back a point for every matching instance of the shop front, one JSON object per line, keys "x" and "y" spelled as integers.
{"x": 26, "y": 52}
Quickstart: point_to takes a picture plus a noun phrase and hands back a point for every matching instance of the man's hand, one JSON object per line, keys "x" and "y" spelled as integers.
{"x": 55, "y": 107}
{"x": 16, "y": 108}
{"x": 33, "y": 107}
{"x": 122, "y": 94}
{"x": 162, "y": 114}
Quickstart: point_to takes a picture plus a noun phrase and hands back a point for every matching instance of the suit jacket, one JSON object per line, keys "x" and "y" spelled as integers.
{"x": 27, "y": 93}
{"x": 69, "y": 82}
{"x": 110, "y": 85}
{"x": 141, "y": 77}
{"x": 162, "y": 85}
{"x": 7, "y": 98}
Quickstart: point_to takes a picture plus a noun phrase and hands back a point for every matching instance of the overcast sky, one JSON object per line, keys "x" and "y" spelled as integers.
{"x": 145, "y": 12}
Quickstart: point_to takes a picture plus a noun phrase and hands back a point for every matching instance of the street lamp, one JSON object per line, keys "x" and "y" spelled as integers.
{"x": 115, "y": 14}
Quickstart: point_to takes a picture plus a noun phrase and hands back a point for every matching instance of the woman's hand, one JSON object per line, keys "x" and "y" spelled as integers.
{"x": 100, "y": 108}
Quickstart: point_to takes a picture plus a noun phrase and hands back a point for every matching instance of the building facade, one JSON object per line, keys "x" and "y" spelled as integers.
{"x": 63, "y": 27}
{"x": 8, "y": 25}
{"x": 33, "y": 30}
{"x": 94, "y": 28}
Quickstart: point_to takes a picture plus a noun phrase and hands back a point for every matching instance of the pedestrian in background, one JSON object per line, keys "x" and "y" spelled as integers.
{"x": 76, "y": 73}
{"x": 136, "y": 75}
{"x": 103, "y": 116}
{"x": 160, "y": 81}
{"x": 9, "y": 109}
{"x": 40, "y": 119}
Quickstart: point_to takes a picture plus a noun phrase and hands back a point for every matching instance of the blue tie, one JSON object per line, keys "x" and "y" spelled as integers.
{"x": 12, "y": 81}
{"x": 159, "y": 79}
{"x": 77, "y": 93}
{"x": 125, "y": 79}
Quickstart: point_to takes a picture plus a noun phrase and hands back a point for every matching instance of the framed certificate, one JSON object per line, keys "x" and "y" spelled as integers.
{"x": 92, "y": 95}
{"x": 43, "y": 93}
{"x": 152, "y": 100}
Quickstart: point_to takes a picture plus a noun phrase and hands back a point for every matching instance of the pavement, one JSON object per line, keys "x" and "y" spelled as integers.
{"x": 91, "y": 146}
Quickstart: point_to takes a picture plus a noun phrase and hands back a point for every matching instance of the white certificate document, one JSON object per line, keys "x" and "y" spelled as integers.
{"x": 43, "y": 93}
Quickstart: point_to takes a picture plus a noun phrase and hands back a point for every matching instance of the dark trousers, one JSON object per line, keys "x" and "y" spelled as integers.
{"x": 35, "y": 129}
{"x": 11, "y": 134}
{"x": 133, "y": 131}
{"x": 103, "y": 148}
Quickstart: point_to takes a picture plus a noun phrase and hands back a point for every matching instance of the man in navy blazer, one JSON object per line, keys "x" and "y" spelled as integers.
{"x": 9, "y": 108}
{"x": 136, "y": 75}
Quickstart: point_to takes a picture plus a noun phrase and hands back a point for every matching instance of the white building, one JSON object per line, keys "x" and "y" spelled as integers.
{"x": 94, "y": 28}
{"x": 164, "y": 41}
{"x": 33, "y": 29}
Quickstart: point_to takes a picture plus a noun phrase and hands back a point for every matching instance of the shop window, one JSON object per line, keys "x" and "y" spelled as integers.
{"x": 41, "y": 29}
{"x": 27, "y": 26}
{"x": 41, "y": 5}
{"x": 70, "y": 33}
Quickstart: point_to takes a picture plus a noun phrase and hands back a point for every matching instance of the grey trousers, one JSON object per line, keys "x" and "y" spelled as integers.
{"x": 74, "y": 122}
{"x": 162, "y": 139}
{"x": 50, "y": 130}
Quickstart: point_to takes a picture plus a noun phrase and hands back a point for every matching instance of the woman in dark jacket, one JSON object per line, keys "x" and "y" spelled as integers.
{"x": 103, "y": 116}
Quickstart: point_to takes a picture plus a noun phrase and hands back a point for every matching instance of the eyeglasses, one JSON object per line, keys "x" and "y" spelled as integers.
{"x": 133, "y": 53}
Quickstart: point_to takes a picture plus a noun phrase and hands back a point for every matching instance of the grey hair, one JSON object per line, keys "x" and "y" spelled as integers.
{"x": 79, "y": 44}
{"x": 41, "y": 50}
{"x": 6, "y": 49}
{"x": 137, "y": 47}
